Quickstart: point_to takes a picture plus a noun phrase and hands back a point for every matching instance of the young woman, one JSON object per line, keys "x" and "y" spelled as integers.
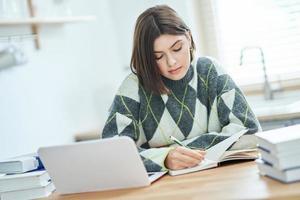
{"x": 169, "y": 93}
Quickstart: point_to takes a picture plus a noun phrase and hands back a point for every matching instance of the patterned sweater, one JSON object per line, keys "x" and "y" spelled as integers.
{"x": 202, "y": 109}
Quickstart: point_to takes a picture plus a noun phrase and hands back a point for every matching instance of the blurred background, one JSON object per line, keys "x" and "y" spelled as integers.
{"x": 62, "y": 61}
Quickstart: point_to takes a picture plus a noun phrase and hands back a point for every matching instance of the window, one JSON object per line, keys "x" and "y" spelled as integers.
{"x": 270, "y": 25}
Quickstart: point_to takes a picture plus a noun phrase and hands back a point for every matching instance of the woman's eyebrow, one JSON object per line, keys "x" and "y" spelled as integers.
{"x": 170, "y": 47}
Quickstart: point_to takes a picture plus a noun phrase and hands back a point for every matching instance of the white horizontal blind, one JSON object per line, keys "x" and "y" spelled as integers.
{"x": 272, "y": 25}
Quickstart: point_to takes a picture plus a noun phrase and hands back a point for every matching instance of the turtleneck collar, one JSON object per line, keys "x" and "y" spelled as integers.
{"x": 172, "y": 84}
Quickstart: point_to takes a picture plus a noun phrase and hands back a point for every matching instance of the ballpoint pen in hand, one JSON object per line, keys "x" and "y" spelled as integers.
{"x": 183, "y": 145}
{"x": 177, "y": 141}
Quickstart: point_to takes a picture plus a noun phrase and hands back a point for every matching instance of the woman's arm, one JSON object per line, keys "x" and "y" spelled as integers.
{"x": 228, "y": 110}
{"x": 124, "y": 120}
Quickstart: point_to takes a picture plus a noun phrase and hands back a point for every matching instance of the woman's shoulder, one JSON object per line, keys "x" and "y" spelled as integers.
{"x": 129, "y": 87}
{"x": 207, "y": 65}
{"x": 130, "y": 79}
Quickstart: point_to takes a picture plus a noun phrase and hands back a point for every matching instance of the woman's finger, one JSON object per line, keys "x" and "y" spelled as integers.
{"x": 202, "y": 152}
{"x": 191, "y": 153}
{"x": 189, "y": 161}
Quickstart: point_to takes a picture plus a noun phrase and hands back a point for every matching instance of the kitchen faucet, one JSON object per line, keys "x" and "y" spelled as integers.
{"x": 268, "y": 92}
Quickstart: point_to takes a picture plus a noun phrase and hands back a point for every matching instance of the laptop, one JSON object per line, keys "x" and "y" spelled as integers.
{"x": 106, "y": 164}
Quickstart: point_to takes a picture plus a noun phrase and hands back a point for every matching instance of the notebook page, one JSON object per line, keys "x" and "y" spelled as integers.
{"x": 205, "y": 164}
{"x": 215, "y": 152}
{"x": 212, "y": 156}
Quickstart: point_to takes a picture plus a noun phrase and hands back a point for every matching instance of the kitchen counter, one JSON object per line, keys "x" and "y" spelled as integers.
{"x": 283, "y": 110}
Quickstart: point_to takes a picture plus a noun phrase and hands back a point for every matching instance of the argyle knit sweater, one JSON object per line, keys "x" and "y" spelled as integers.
{"x": 202, "y": 109}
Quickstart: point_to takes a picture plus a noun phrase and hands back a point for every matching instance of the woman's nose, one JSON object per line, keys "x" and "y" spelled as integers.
{"x": 171, "y": 61}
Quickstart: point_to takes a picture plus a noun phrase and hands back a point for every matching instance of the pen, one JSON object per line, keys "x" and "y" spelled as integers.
{"x": 183, "y": 145}
{"x": 177, "y": 141}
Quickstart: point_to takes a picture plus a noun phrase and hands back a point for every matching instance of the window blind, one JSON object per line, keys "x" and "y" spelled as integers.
{"x": 270, "y": 25}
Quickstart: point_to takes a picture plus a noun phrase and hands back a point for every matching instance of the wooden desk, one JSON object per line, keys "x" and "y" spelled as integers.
{"x": 229, "y": 181}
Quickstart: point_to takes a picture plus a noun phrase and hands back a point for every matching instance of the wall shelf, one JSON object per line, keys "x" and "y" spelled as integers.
{"x": 48, "y": 20}
{"x": 35, "y": 22}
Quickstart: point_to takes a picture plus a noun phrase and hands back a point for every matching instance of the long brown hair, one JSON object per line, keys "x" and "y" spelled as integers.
{"x": 152, "y": 23}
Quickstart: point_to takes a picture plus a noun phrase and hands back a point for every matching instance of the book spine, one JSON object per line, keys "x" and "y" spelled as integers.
{"x": 21, "y": 165}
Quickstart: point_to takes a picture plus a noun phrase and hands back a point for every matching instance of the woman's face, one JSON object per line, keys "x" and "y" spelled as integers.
{"x": 172, "y": 54}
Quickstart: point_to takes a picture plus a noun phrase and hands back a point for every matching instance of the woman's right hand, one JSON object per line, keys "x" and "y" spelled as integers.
{"x": 182, "y": 157}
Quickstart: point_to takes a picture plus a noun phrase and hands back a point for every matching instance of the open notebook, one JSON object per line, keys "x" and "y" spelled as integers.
{"x": 218, "y": 153}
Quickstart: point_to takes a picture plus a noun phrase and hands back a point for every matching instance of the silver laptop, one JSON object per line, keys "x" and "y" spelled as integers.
{"x": 105, "y": 164}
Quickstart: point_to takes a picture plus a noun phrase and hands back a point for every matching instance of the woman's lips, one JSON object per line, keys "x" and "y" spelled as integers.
{"x": 175, "y": 71}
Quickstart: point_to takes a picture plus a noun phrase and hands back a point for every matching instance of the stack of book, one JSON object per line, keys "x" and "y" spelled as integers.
{"x": 24, "y": 178}
{"x": 280, "y": 153}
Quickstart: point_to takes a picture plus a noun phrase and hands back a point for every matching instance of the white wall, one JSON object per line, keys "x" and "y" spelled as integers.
{"x": 68, "y": 85}
{"x": 125, "y": 13}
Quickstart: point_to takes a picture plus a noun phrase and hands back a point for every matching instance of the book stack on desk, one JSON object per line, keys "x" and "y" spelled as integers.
{"x": 24, "y": 178}
{"x": 280, "y": 153}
